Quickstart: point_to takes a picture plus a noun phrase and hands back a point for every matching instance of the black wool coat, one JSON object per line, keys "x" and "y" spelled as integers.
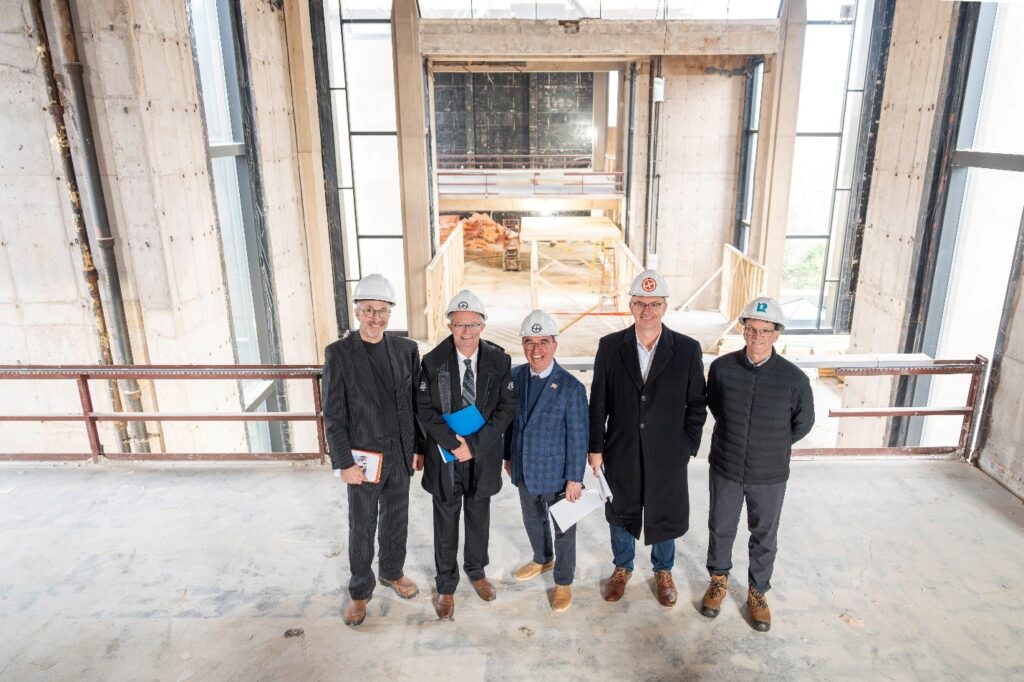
{"x": 647, "y": 432}
{"x": 352, "y": 413}
{"x": 760, "y": 412}
{"x": 496, "y": 400}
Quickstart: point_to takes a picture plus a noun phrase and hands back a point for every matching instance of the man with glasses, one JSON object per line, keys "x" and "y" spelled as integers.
{"x": 647, "y": 410}
{"x": 546, "y": 452}
{"x": 762, "y": 405}
{"x": 460, "y": 372}
{"x": 368, "y": 403}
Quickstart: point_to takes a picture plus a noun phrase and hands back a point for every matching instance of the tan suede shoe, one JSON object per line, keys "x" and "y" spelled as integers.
{"x": 561, "y": 598}
{"x": 532, "y": 570}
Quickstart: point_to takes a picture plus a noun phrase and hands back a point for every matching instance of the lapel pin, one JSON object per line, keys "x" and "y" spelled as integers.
{"x": 554, "y": 385}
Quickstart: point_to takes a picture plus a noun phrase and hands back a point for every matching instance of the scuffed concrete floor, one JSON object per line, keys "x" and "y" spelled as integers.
{"x": 887, "y": 570}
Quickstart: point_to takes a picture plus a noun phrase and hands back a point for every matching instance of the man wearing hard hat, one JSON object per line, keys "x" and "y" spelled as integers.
{"x": 647, "y": 410}
{"x": 546, "y": 452}
{"x": 762, "y": 405}
{"x": 368, "y": 403}
{"x": 460, "y": 372}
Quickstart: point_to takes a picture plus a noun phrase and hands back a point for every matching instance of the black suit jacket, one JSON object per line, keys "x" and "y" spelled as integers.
{"x": 648, "y": 431}
{"x": 496, "y": 400}
{"x": 352, "y": 414}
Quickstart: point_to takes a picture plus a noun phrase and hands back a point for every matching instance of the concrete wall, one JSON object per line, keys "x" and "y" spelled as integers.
{"x": 914, "y": 84}
{"x": 1002, "y": 453}
{"x": 698, "y": 147}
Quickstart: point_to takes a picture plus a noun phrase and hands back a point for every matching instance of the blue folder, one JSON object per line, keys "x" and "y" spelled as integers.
{"x": 465, "y": 422}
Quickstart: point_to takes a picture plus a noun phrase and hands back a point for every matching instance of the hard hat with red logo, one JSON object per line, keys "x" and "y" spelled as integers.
{"x": 649, "y": 283}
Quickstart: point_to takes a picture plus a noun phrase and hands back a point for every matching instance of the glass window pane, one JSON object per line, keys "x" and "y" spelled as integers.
{"x": 387, "y": 257}
{"x": 839, "y": 218}
{"x": 348, "y": 214}
{"x": 830, "y": 10}
{"x": 335, "y": 54}
{"x": 861, "y": 42}
{"x": 236, "y": 261}
{"x": 801, "y": 281}
{"x": 823, "y": 79}
{"x": 755, "y": 110}
{"x": 378, "y": 202}
{"x": 371, "y": 77}
{"x": 445, "y": 9}
{"x": 810, "y": 198}
{"x": 828, "y": 305}
{"x": 366, "y": 9}
{"x": 221, "y": 127}
{"x": 999, "y": 126}
{"x": 851, "y": 131}
{"x": 749, "y": 177}
{"x": 341, "y": 140}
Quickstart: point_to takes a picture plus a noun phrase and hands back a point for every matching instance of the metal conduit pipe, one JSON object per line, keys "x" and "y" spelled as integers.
{"x": 653, "y": 178}
{"x": 91, "y": 210}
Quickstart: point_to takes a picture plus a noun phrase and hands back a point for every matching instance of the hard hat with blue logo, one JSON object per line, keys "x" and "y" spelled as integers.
{"x": 764, "y": 308}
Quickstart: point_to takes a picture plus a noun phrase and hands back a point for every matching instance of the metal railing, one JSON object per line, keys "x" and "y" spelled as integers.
{"x": 513, "y": 161}
{"x": 512, "y": 183}
{"x": 855, "y": 366}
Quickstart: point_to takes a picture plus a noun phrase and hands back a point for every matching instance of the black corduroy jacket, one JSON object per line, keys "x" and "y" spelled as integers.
{"x": 760, "y": 412}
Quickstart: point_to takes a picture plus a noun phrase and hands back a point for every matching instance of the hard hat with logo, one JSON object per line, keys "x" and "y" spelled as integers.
{"x": 538, "y": 323}
{"x": 465, "y": 301}
{"x": 374, "y": 288}
{"x": 649, "y": 283}
{"x": 764, "y": 308}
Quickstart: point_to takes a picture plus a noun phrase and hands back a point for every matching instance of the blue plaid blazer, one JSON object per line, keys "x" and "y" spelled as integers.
{"x": 548, "y": 446}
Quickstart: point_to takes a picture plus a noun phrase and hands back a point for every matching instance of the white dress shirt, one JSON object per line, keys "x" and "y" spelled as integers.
{"x": 645, "y": 356}
{"x": 462, "y": 366}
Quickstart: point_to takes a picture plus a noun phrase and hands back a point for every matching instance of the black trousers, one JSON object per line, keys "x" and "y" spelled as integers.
{"x": 764, "y": 510}
{"x": 387, "y": 501}
{"x": 446, "y": 532}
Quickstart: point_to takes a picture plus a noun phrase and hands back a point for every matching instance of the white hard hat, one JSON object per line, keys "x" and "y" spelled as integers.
{"x": 649, "y": 283}
{"x": 766, "y": 309}
{"x": 374, "y": 288}
{"x": 538, "y": 323}
{"x": 465, "y": 301}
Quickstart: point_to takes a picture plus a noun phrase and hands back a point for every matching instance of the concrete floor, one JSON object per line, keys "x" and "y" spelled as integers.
{"x": 887, "y": 570}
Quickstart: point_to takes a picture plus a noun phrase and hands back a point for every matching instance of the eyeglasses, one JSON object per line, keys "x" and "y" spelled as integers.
{"x": 543, "y": 344}
{"x": 640, "y": 306}
{"x": 758, "y": 333}
{"x": 469, "y": 327}
{"x": 376, "y": 312}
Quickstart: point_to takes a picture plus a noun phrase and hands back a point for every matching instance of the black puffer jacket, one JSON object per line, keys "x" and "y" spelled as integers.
{"x": 759, "y": 413}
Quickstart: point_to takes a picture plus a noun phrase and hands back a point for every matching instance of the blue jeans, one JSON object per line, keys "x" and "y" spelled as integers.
{"x": 663, "y": 554}
{"x": 538, "y": 523}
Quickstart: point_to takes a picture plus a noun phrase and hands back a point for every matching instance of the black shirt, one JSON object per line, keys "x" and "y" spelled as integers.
{"x": 381, "y": 366}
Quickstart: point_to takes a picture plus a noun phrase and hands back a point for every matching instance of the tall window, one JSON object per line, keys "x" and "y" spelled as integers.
{"x": 831, "y": 91}
{"x": 362, "y": 84}
{"x": 748, "y": 152}
{"x": 228, "y": 125}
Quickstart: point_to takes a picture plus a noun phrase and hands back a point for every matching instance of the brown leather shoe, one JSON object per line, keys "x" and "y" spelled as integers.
{"x": 532, "y": 570}
{"x": 760, "y": 615}
{"x": 403, "y": 587}
{"x": 484, "y": 589}
{"x": 561, "y": 598}
{"x": 666, "y": 588}
{"x": 355, "y": 612}
{"x": 444, "y": 606}
{"x": 616, "y": 585}
{"x": 711, "y": 604}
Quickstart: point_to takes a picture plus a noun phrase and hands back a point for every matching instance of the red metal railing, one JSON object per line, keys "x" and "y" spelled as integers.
{"x": 312, "y": 373}
{"x": 513, "y": 161}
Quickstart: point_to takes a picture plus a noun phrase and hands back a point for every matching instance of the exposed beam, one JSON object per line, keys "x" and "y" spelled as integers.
{"x": 490, "y": 39}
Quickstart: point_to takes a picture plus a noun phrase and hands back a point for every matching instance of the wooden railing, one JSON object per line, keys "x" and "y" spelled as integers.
{"x": 627, "y": 267}
{"x": 742, "y": 280}
{"x": 444, "y": 280}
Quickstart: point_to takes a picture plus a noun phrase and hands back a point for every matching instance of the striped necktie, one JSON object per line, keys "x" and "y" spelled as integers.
{"x": 468, "y": 384}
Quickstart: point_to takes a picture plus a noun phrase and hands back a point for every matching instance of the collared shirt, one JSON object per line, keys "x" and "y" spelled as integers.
{"x": 758, "y": 364}
{"x": 645, "y": 356}
{"x": 462, "y": 365}
{"x": 546, "y": 373}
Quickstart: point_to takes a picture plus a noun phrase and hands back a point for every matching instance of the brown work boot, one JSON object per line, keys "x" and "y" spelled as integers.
{"x": 355, "y": 612}
{"x": 484, "y": 589}
{"x": 403, "y": 587}
{"x": 561, "y": 598}
{"x": 444, "y": 606}
{"x": 666, "y": 588}
{"x": 759, "y": 613}
{"x": 616, "y": 585}
{"x": 711, "y": 604}
{"x": 532, "y": 570}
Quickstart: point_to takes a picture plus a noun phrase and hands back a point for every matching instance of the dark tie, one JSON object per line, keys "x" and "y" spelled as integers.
{"x": 468, "y": 384}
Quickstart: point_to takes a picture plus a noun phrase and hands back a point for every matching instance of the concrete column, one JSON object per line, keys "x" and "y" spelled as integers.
{"x": 600, "y": 100}
{"x": 412, "y": 159}
{"x": 778, "y": 136}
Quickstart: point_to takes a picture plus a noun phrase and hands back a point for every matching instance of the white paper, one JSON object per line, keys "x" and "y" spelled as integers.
{"x": 369, "y": 462}
{"x": 566, "y": 513}
{"x": 606, "y": 491}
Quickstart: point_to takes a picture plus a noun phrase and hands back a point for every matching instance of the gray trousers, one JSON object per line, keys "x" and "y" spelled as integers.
{"x": 538, "y": 523}
{"x": 387, "y": 501}
{"x": 764, "y": 509}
